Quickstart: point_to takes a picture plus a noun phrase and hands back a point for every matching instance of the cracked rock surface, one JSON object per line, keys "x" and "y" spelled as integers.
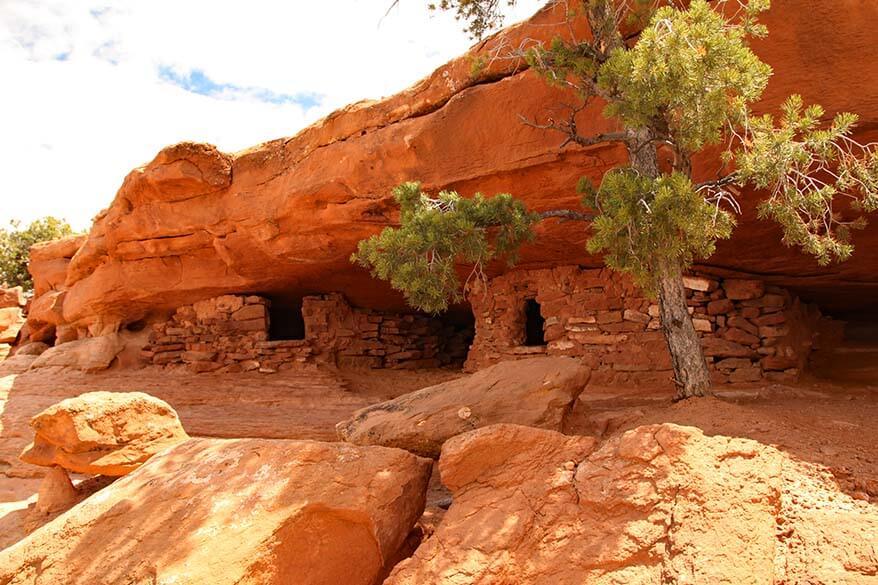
{"x": 244, "y": 512}
{"x": 657, "y": 504}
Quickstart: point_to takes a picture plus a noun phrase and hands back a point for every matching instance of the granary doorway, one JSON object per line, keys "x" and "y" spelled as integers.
{"x": 285, "y": 319}
{"x": 534, "y": 324}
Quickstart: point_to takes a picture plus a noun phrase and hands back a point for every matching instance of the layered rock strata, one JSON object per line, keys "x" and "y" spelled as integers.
{"x": 283, "y": 217}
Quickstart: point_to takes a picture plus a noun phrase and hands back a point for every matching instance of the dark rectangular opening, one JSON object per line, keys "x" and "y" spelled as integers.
{"x": 285, "y": 320}
{"x": 534, "y": 323}
{"x": 458, "y": 329}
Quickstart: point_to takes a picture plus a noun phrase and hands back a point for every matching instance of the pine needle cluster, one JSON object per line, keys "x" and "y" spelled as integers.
{"x": 436, "y": 234}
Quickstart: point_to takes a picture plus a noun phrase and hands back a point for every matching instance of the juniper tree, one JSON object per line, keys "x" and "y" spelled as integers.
{"x": 684, "y": 83}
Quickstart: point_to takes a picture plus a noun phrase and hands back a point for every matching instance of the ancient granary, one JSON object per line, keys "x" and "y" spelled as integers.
{"x": 749, "y": 331}
{"x": 232, "y": 262}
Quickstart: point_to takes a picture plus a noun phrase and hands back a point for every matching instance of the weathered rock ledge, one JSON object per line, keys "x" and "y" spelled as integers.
{"x": 283, "y": 217}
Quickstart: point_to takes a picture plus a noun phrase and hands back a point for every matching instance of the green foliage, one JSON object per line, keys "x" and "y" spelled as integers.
{"x": 478, "y": 64}
{"x": 806, "y": 167}
{"x": 419, "y": 257}
{"x": 688, "y": 75}
{"x": 644, "y": 220}
{"x": 687, "y": 82}
{"x": 562, "y": 60}
{"x": 480, "y": 15}
{"x": 15, "y": 246}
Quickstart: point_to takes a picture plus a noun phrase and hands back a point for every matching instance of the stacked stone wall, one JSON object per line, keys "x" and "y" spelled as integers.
{"x": 371, "y": 339}
{"x": 231, "y": 333}
{"x": 749, "y": 331}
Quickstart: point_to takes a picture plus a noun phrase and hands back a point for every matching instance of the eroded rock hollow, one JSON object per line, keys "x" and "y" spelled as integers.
{"x": 282, "y": 218}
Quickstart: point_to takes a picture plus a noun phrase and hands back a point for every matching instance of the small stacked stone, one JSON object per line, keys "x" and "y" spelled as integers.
{"x": 744, "y": 328}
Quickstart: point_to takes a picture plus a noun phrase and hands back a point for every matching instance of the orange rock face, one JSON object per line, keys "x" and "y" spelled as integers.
{"x": 103, "y": 433}
{"x": 11, "y": 297}
{"x": 658, "y": 504}
{"x": 283, "y": 217}
{"x": 224, "y": 512}
{"x": 48, "y": 262}
{"x": 11, "y": 320}
{"x": 12, "y": 302}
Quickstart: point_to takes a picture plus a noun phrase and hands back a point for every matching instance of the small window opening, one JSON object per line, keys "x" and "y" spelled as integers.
{"x": 285, "y": 321}
{"x": 533, "y": 324}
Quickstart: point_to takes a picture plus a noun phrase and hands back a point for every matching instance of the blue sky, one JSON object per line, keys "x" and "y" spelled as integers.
{"x": 93, "y": 89}
{"x": 196, "y": 81}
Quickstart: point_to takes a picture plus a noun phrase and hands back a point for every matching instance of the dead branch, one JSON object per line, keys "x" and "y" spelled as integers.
{"x": 568, "y": 214}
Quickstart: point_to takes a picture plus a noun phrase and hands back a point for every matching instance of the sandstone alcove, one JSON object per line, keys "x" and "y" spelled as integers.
{"x": 847, "y": 348}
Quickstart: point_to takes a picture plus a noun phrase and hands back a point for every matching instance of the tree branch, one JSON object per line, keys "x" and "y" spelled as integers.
{"x": 568, "y": 128}
{"x": 598, "y": 139}
{"x": 718, "y": 183}
{"x": 721, "y": 190}
{"x": 568, "y": 214}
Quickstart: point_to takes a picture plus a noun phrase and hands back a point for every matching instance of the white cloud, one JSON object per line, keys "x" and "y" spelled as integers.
{"x": 84, "y": 101}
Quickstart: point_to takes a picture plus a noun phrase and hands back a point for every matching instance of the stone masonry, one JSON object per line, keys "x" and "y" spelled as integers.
{"x": 231, "y": 333}
{"x": 749, "y": 331}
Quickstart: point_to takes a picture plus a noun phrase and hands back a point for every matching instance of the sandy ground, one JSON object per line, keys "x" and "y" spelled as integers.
{"x": 819, "y": 422}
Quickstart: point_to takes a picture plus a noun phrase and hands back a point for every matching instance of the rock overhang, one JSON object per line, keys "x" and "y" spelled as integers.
{"x": 283, "y": 218}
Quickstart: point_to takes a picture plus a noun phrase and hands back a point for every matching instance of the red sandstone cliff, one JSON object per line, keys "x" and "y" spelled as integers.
{"x": 284, "y": 216}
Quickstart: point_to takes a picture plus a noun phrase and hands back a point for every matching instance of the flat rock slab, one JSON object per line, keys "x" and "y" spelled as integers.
{"x": 103, "y": 433}
{"x": 242, "y": 512}
{"x": 536, "y": 392}
{"x": 89, "y": 355}
{"x": 16, "y": 364}
{"x": 657, "y": 504}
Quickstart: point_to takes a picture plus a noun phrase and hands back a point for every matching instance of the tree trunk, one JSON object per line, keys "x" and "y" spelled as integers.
{"x": 687, "y": 357}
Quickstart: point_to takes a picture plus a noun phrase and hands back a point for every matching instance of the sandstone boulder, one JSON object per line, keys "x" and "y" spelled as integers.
{"x": 16, "y": 364}
{"x": 234, "y": 512}
{"x": 45, "y": 314}
{"x": 537, "y": 392}
{"x": 103, "y": 433}
{"x": 11, "y": 297}
{"x": 89, "y": 355}
{"x": 34, "y": 348}
{"x": 11, "y": 321}
{"x": 658, "y": 504}
{"x": 48, "y": 262}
